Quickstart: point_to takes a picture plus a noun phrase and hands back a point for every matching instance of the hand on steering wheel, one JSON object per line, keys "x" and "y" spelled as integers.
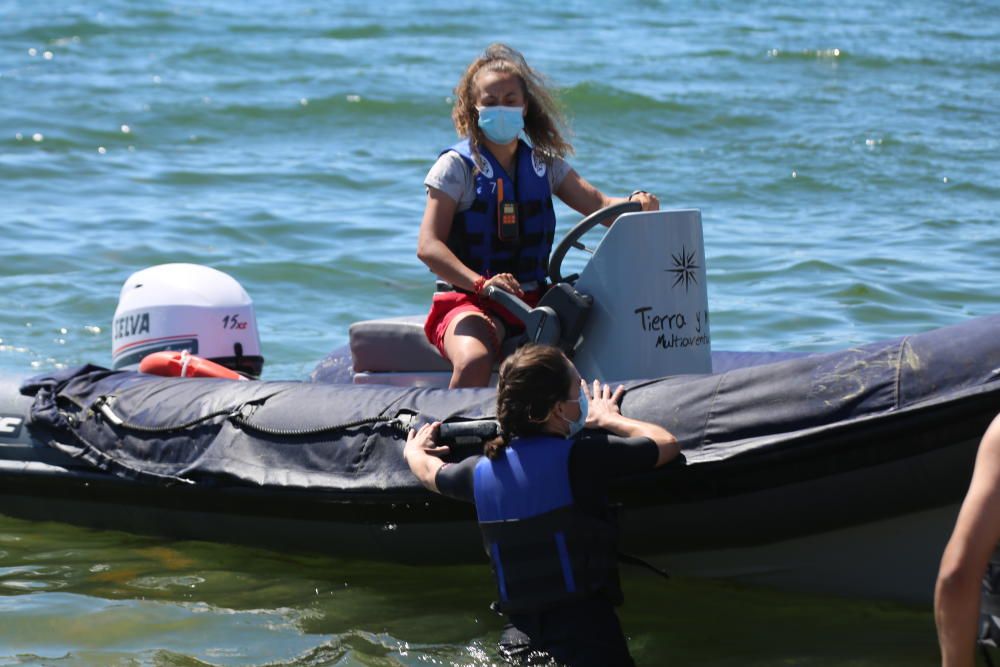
{"x": 648, "y": 200}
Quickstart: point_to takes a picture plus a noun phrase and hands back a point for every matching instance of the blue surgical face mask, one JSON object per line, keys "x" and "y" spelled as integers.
{"x": 576, "y": 425}
{"x": 501, "y": 125}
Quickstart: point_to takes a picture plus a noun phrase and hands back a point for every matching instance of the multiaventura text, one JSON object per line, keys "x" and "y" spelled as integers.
{"x": 671, "y": 322}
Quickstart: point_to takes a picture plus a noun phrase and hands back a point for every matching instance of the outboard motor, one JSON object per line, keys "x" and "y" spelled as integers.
{"x": 185, "y": 307}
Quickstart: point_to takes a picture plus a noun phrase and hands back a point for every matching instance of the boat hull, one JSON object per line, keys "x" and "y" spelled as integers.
{"x": 837, "y": 473}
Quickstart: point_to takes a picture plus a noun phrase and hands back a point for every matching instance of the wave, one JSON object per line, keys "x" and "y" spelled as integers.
{"x": 969, "y": 59}
{"x": 605, "y": 98}
{"x": 366, "y": 31}
{"x": 50, "y": 33}
{"x": 979, "y": 189}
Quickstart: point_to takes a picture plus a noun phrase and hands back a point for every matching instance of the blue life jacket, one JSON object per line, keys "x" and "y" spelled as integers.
{"x": 542, "y": 549}
{"x": 474, "y": 232}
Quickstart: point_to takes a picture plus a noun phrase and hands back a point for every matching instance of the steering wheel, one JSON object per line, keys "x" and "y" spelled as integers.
{"x": 572, "y": 237}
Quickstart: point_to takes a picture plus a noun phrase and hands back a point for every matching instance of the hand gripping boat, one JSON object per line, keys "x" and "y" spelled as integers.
{"x": 837, "y": 472}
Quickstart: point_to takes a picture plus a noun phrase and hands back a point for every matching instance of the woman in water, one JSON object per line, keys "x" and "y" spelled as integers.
{"x": 541, "y": 502}
{"x": 489, "y": 219}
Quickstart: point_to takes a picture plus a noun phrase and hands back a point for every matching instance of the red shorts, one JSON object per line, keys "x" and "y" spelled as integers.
{"x": 447, "y": 305}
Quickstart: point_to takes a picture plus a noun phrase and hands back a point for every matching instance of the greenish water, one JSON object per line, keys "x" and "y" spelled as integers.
{"x": 844, "y": 155}
{"x": 69, "y": 596}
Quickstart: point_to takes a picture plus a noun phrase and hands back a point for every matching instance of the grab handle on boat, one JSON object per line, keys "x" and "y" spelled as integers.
{"x": 469, "y": 432}
{"x": 541, "y": 324}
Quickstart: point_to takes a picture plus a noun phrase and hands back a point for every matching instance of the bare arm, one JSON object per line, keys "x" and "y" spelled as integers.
{"x": 422, "y": 454}
{"x": 605, "y": 414}
{"x": 433, "y": 250}
{"x": 584, "y": 198}
{"x": 432, "y": 247}
{"x": 956, "y": 595}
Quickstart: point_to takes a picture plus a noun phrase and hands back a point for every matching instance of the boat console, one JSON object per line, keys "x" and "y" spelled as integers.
{"x": 638, "y": 309}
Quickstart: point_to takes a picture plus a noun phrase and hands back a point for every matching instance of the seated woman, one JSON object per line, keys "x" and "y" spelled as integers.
{"x": 541, "y": 502}
{"x": 489, "y": 219}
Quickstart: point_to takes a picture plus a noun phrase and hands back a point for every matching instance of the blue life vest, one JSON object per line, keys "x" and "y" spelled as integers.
{"x": 474, "y": 232}
{"x": 542, "y": 549}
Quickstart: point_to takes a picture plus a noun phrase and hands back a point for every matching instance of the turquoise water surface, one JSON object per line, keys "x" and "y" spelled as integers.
{"x": 845, "y": 157}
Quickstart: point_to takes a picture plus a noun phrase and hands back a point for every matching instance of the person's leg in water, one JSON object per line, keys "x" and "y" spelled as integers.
{"x": 472, "y": 344}
{"x": 583, "y": 634}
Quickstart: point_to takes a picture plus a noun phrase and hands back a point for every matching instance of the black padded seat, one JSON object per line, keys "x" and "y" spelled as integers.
{"x": 398, "y": 344}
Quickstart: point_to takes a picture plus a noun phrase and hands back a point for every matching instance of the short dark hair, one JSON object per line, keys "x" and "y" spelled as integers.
{"x": 532, "y": 381}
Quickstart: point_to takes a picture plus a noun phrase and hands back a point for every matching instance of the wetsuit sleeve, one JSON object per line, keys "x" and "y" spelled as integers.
{"x": 451, "y": 175}
{"x": 596, "y": 458}
{"x": 455, "y": 479}
{"x": 601, "y": 455}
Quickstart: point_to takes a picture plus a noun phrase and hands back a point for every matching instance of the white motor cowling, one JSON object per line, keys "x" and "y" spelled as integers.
{"x": 174, "y": 307}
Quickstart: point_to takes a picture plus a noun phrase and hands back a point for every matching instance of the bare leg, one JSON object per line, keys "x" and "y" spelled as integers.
{"x": 471, "y": 344}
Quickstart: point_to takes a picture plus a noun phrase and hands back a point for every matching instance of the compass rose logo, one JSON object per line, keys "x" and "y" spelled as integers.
{"x": 684, "y": 269}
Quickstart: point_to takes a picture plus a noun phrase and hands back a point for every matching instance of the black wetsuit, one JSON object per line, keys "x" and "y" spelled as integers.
{"x": 581, "y": 632}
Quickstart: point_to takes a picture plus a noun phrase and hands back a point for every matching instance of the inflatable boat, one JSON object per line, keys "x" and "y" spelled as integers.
{"x": 838, "y": 472}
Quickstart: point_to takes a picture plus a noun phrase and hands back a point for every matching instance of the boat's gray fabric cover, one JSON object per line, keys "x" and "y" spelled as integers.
{"x": 738, "y": 413}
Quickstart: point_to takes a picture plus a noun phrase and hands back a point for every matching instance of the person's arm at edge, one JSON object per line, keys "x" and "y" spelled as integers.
{"x": 422, "y": 453}
{"x": 605, "y": 414}
{"x": 977, "y": 530}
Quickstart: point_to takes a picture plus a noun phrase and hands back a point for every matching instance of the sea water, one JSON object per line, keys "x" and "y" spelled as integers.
{"x": 844, "y": 156}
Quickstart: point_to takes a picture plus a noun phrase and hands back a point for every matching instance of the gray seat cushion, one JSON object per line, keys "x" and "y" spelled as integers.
{"x": 398, "y": 344}
{"x": 394, "y": 344}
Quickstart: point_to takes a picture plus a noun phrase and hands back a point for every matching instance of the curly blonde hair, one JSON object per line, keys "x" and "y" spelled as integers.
{"x": 544, "y": 121}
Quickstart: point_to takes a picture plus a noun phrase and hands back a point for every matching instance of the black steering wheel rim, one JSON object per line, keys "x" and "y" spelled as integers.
{"x": 581, "y": 228}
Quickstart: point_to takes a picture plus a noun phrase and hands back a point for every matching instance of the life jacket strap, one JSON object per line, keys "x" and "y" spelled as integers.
{"x": 525, "y": 209}
{"x": 630, "y": 559}
{"x": 551, "y": 559}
